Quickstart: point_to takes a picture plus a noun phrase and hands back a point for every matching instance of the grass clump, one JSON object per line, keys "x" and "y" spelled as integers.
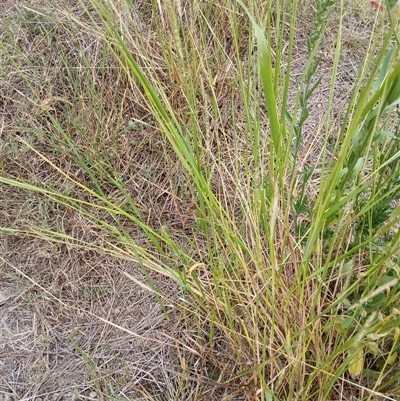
{"x": 189, "y": 139}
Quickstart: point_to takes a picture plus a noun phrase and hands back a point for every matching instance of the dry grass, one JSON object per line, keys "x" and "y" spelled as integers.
{"x": 73, "y": 325}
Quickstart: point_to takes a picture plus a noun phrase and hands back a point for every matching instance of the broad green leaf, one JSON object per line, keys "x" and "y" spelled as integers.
{"x": 348, "y": 266}
{"x": 346, "y": 323}
{"x": 385, "y": 134}
{"x": 392, "y": 358}
{"x": 384, "y": 69}
{"x": 357, "y": 167}
{"x": 392, "y": 3}
{"x": 375, "y": 302}
{"x": 343, "y": 172}
{"x": 386, "y": 278}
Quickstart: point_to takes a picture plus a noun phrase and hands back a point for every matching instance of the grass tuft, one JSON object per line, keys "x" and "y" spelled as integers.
{"x": 221, "y": 149}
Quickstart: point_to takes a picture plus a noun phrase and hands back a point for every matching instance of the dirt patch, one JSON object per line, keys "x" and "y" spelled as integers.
{"x": 78, "y": 328}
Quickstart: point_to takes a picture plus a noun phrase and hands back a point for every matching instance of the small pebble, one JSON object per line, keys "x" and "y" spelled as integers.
{"x": 93, "y": 394}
